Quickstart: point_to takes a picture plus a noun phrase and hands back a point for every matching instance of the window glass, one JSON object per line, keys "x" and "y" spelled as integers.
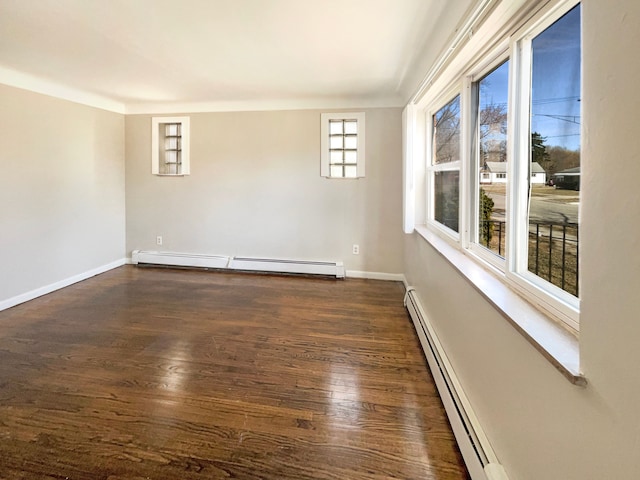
{"x": 492, "y": 94}
{"x": 350, "y": 156}
{"x": 336, "y": 171}
{"x": 342, "y": 145}
{"x": 446, "y": 198}
{"x": 336, "y": 142}
{"x": 170, "y": 146}
{"x": 351, "y": 142}
{"x": 335, "y": 127}
{"x": 446, "y": 133}
{"x": 554, "y": 179}
{"x": 350, "y": 127}
{"x": 350, "y": 171}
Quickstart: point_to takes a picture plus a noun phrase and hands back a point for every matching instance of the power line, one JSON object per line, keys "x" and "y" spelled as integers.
{"x": 546, "y": 101}
{"x": 565, "y": 135}
{"x": 565, "y": 118}
{"x": 541, "y": 101}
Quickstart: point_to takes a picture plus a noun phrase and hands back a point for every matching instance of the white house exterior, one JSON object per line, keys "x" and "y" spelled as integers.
{"x": 538, "y": 175}
{"x": 496, "y": 172}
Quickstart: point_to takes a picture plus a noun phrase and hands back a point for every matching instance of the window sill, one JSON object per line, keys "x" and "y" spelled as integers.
{"x": 554, "y": 342}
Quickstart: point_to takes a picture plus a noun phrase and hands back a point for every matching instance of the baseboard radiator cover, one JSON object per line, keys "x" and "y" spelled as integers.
{"x": 273, "y": 265}
{"x": 476, "y": 450}
{"x": 333, "y": 269}
{"x": 179, "y": 259}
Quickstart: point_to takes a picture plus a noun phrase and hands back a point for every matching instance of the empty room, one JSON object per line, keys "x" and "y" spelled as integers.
{"x": 298, "y": 239}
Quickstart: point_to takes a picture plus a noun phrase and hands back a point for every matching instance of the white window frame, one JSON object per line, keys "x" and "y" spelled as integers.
{"x": 514, "y": 46}
{"x": 325, "y": 164}
{"x": 156, "y": 147}
{"x": 432, "y": 167}
{"x": 561, "y": 304}
{"x": 493, "y": 60}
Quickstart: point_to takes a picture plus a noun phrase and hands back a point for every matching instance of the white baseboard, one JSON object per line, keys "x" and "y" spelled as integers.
{"x": 394, "y": 277}
{"x": 38, "y": 292}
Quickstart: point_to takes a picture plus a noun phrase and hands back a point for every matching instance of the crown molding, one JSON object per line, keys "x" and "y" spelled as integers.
{"x": 25, "y": 81}
{"x": 262, "y": 105}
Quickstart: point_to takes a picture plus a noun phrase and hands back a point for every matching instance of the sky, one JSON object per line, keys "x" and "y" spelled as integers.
{"x": 555, "y": 83}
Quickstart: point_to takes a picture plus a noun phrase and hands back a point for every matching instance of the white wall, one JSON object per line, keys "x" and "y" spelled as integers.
{"x": 61, "y": 190}
{"x": 542, "y": 427}
{"x": 255, "y": 190}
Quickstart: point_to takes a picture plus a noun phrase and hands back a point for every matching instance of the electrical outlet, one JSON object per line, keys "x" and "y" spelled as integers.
{"x": 159, "y": 240}
{"x": 356, "y": 249}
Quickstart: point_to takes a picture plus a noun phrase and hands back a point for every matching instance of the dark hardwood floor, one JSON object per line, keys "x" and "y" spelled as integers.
{"x": 145, "y": 373}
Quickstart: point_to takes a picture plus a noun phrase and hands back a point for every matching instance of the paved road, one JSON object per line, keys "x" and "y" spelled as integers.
{"x": 547, "y": 204}
{"x": 550, "y": 209}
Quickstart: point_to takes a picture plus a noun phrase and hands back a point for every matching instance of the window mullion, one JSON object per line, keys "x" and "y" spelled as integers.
{"x": 466, "y": 159}
{"x": 517, "y": 201}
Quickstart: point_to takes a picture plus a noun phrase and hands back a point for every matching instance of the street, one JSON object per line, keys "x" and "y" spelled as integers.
{"x": 548, "y": 204}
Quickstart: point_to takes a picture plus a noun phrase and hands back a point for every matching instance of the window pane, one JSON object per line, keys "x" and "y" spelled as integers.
{"x": 171, "y": 157}
{"x": 555, "y": 153}
{"x": 351, "y": 142}
{"x": 350, "y": 127}
{"x": 492, "y": 91}
{"x": 172, "y": 143}
{"x": 350, "y": 156}
{"x": 335, "y": 142}
{"x": 446, "y": 198}
{"x": 350, "y": 171}
{"x": 335, "y": 156}
{"x": 336, "y": 171}
{"x": 172, "y": 129}
{"x": 446, "y": 133}
{"x": 335, "y": 127}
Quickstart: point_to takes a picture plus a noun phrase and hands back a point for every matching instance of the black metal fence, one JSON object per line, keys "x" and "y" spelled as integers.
{"x": 553, "y": 250}
{"x": 493, "y": 236}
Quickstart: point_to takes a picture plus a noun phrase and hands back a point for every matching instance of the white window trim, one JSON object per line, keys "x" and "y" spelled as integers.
{"x": 185, "y": 147}
{"x": 471, "y": 209}
{"x": 432, "y": 168}
{"x": 325, "y": 169}
{"x": 557, "y": 345}
{"x": 557, "y": 302}
{"x": 409, "y": 156}
{"x": 474, "y": 59}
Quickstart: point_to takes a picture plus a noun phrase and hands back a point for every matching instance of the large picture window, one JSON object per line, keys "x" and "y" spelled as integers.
{"x": 554, "y": 180}
{"x": 503, "y": 158}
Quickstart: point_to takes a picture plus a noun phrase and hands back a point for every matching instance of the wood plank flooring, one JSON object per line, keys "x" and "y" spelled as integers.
{"x": 145, "y": 373}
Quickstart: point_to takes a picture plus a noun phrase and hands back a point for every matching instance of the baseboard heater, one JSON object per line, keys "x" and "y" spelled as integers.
{"x": 476, "y": 450}
{"x": 274, "y": 265}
